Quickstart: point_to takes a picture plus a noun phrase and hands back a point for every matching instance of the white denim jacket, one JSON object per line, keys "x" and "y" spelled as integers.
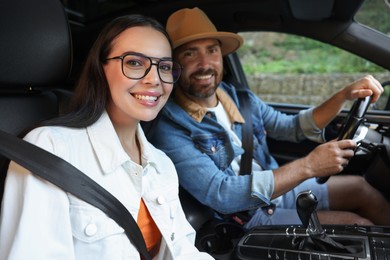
{"x": 40, "y": 221}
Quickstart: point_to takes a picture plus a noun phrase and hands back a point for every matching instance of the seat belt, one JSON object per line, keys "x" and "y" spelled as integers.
{"x": 67, "y": 177}
{"x": 247, "y": 143}
{"x": 247, "y": 132}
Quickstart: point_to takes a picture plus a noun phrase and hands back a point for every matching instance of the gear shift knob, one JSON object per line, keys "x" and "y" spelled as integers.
{"x": 306, "y": 208}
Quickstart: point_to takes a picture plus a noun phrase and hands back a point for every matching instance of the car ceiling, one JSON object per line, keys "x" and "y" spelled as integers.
{"x": 89, "y": 11}
{"x": 330, "y": 21}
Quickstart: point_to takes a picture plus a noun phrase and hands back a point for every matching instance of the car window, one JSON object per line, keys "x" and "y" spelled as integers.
{"x": 368, "y": 15}
{"x": 284, "y": 68}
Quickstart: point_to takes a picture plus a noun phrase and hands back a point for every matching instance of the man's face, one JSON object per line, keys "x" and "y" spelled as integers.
{"x": 203, "y": 68}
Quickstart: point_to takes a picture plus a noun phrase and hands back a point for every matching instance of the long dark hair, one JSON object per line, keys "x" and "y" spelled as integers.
{"x": 91, "y": 91}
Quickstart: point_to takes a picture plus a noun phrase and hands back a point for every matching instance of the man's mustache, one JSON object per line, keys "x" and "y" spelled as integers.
{"x": 203, "y": 72}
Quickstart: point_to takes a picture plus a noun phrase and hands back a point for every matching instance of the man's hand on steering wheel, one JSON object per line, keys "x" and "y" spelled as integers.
{"x": 353, "y": 120}
{"x": 366, "y": 91}
{"x": 330, "y": 158}
{"x": 366, "y": 86}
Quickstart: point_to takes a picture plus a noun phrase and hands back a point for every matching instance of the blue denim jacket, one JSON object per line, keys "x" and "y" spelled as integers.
{"x": 202, "y": 151}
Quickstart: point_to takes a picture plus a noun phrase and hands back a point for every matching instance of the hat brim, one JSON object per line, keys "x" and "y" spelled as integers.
{"x": 230, "y": 42}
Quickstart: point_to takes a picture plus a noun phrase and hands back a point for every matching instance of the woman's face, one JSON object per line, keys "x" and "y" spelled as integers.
{"x": 133, "y": 100}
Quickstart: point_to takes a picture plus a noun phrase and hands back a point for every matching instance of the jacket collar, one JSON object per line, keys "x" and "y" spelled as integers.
{"x": 109, "y": 150}
{"x": 198, "y": 112}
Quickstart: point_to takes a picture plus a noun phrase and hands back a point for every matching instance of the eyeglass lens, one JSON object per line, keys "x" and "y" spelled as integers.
{"x": 138, "y": 66}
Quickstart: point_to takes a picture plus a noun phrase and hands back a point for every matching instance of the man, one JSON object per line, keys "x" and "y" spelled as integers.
{"x": 200, "y": 129}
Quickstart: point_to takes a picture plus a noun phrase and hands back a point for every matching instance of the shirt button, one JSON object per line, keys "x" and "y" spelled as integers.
{"x": 90, "y": 230}
{"x": 270, "y": 211}
{"x": 213, "y": 149}
{"x": 160, "y": 200}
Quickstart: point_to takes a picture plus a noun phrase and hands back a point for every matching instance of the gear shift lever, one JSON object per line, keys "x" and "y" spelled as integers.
{"x": 306, "y": 208}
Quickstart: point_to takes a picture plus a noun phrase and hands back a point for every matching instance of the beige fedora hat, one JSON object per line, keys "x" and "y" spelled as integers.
{"x": 187, "y": 25}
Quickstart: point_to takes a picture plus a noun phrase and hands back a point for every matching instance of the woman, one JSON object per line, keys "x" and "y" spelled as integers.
{"x": 127, "y": 78}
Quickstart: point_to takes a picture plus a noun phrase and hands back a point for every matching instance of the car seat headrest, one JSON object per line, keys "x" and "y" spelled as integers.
{"x": 35, "y": 46}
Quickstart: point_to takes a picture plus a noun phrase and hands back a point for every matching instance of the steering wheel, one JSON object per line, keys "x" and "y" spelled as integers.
{"x": 353, "y": 120}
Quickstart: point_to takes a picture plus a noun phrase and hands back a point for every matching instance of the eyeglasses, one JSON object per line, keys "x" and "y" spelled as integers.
{"x": 137, "y": 66}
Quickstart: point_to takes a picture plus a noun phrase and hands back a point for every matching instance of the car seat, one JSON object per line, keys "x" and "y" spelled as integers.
{"x": 36, "y": 57}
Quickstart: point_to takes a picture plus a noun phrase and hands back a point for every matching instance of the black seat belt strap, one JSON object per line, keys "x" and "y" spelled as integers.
{"x": 247, "y": 132}
{"x": 64, "y": 175}
{"x": 247, "y": 142}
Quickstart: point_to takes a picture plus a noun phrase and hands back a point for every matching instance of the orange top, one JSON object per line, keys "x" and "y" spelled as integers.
{"x": 148, "y": 228}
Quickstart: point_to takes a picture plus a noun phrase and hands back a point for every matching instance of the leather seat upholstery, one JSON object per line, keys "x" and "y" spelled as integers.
{"x": 35, "y": 61}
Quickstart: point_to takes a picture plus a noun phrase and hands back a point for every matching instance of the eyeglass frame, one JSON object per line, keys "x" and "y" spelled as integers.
{"x": 152, "y": 62}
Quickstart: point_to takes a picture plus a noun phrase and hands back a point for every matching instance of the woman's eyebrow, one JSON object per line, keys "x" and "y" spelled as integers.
{"x": 144, "y": 55}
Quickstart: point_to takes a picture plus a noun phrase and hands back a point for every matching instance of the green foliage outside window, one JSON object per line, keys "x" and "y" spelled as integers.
{"x": 294, "y": 54}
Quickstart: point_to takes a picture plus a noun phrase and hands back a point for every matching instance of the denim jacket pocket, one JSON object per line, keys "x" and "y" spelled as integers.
{"x": 91, "y": 225}
{"x": 217, "y": 146}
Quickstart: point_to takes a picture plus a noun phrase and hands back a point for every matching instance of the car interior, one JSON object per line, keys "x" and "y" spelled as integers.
{"x": 33, "y": 74}
{"x": 45, "y": 44}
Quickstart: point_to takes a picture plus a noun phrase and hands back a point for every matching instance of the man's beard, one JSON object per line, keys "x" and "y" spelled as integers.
{"x": 203, "y": 91}
{"x": 199, "y": 92}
